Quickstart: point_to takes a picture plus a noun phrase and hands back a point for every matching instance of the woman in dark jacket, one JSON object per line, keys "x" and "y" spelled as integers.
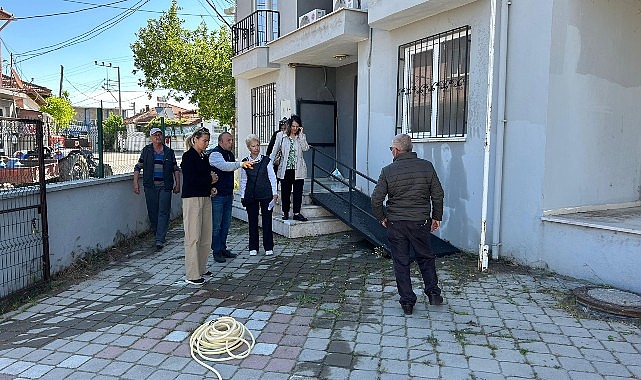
{"x": 198, "y": 188}
{"x": 258, "y": 190}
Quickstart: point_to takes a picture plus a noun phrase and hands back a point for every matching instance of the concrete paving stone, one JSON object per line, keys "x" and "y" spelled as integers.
{"x": 476, "y": 338}
{"x": 598, "y": 355}
{"x": 393, "y": 366}
{"x": 36, "y": 371}
{"x": 105, "y": 338}
{"x": 293, "y": 340}
{"x": 619, "y": 346}
{"x": 138, "y": 331}
{"x": 286, "y": 310}
{"x": 78, "y": 375}
{"x": 524, "y": 335}
{"x": 138, "y": 371}
{"x": 255, "y": 362}
{"x": 366, "y": 363}
{"x": 575, "y": 364}
{"x": 398, "y": 353}
{"x": 483, "y": 352}
{"x": 311, "y": 355}
{"x": 501, "y": 343}
{"x": 367, "y": 349}
{"x": 275, "y": 376}
{"x": 74, "y": 361}
{"x": 5, "y": 362}
{"x": 111, "y": 352}
{"x": 539, "y": 347}
{"x": 286, "y": 365}
{"x": 73, "y": 346}
{"x": 94, "y": 365}
{"x": 627, "y": 359}
{"x": 176, "y": 336}
{"x": 56, "y": 374}
{"x": 374, "y": 328}
{"x": 54, "y": 358}
{"x": 246, "y": 373}
{"x": 455, "y": 373}
{"x": 430, "y": 371}
{"x": 491, "y": 321}
{"x": 422, "y": 356}
{"x": 482, "y": 375}
{"x": 35, "y": 355}
{"x": 287, "y": 352}
{"x": 302, "y": 330}
{"x": 255, "y": 325}
{"x": 517, "y": 324}
{"x": 87, "y": 336}
{"x": 131, "y": 355}
{"x": 636, "y": 370}
{"x": 574, "y": 375}
{"x": 173, "y": 363}
{"x": 394, "y": 341}
{"x": 264, "y": 348}
{"x": 487, "y": 313}
{"x": 360, "y": 374}
{"x": 17, "y": 367}
{"x": 551, "y": 373}
{"x": 611, "y": 369}
{"x": 453, "y": 360}
{"x": 450, "y": 347}
{"x": 511, "y": 369}
{"x": 165, "y": 347}
{"x": 54, "y": 345}
{"x": 145, "y": 343}
{"x": 564, "y": 350}
{"x": 484, "y": 365}
{"x": 544, "y": 360}
{"x": 274, "y": 327}
{"x": 576, "y": 331}
{"x": 556, "y": 339}
{"x": 565, "y": 321}
{"x": 544, "y": 327}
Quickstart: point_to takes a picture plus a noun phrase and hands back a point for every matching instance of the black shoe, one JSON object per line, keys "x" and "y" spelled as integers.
{"x": 285, "y": 216}
{"x": 200, "y": 281}
{"x": 208, "y": 273}
{"x": 300, "y": 218}
{"x": 218, "y": 257}
{"x": 435, "y": 299}
{"x": 229, "y": 254}
{"x": 159, "y": 246}
{"x": 407, "y": 309}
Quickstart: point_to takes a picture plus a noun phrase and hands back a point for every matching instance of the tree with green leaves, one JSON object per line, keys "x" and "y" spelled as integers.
{"x": 110, "y": 128}
{"x": 193, "y": 64}
{"x": 60, "y": 109}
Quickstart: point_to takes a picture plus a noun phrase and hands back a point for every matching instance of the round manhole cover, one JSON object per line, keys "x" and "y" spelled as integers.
{"x": 608, "y": 300}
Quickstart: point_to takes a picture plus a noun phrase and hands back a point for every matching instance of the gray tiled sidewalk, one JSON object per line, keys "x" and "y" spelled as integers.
{"x": 320, "y": 308}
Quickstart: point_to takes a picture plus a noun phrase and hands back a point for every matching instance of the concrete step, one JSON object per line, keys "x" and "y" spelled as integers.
{"x": 321, "y": 221}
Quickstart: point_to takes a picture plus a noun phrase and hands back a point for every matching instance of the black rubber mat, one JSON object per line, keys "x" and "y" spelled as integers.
{"x": 355, "y": 210}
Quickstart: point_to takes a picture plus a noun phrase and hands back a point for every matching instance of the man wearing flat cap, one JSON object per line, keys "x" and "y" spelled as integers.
{"x": 161, "y": 176}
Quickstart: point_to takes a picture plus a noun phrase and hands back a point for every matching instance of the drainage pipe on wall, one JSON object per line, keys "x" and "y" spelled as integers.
{"x": 483, "y": 247}
{"x": 500, "y": 130}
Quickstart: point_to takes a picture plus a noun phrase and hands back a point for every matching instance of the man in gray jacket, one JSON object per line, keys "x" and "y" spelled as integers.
{"x": 414, "y": 209}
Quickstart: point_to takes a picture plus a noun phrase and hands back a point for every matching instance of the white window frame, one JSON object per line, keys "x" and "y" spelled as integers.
{"x": 408, "y": 83}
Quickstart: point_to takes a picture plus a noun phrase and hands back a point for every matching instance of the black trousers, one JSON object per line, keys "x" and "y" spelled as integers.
{"x": 252, "y": 218}
{"x": 405, "y": 234}
{"x": 286, "y": 186}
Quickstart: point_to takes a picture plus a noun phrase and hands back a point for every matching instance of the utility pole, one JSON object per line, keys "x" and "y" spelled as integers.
{"x": 62, "y": 69}
{"x": 119, "y": 93}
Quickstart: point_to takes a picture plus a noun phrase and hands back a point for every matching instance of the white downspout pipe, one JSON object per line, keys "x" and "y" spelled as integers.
{"x": 483, "y": 247}
{"x": 500, "y": 131}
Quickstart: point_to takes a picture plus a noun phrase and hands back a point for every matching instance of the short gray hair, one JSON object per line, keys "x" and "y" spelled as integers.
{"x": 402, "y": 142}
{"x": 251, "y": 138}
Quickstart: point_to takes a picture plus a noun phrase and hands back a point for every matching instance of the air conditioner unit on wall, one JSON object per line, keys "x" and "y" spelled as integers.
{"x": 310, "y": 17}
{"x": 338, "y": 4}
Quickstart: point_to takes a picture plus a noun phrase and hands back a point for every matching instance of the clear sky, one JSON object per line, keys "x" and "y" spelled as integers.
{"x": 74, "y": 33}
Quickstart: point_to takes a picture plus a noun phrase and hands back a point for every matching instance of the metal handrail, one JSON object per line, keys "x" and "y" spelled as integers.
{"x": 257, "y": 29}
{"x": 350, "y": 182}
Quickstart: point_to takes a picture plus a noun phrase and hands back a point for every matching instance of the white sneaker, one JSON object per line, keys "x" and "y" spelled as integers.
{"x": 269, "y": 253}
{"x": 253, "y": 252}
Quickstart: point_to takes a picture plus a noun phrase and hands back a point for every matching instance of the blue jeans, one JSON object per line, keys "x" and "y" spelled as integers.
{"x": 402, "y": 236}
{"x": 158, "y": 209}
{"x": 221, "y": 221}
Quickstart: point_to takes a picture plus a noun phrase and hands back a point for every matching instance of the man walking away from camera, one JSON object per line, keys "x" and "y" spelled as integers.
{"x": 414, "y": 208}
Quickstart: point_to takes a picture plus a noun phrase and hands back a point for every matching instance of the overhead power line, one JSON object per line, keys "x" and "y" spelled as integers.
{"x": 94, "y": 32}
{"x": 68, "y": 13}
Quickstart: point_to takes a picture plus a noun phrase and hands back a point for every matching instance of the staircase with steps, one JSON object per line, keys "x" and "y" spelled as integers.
{"x": 321, "y": 221}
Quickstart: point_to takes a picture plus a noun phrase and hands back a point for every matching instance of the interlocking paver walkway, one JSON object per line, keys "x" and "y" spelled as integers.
{"x": 320, "y": 308}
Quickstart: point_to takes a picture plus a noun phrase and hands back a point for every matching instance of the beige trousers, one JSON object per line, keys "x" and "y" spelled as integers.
{"x": 197, "y": 223}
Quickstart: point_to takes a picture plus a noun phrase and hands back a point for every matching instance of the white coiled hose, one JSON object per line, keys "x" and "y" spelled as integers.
{"x": 220, "y": 337}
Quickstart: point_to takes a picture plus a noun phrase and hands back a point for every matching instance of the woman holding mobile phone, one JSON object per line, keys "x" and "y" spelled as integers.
{"x": 292, "y": 170}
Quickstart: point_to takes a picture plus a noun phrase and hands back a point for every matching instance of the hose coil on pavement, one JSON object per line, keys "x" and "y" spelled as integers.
{"x": 219, "y": 337}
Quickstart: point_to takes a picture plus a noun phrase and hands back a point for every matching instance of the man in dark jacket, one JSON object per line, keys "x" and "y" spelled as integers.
{"x": 223, "y": 163}
{"x": 414, "y": 208}
{"x": 160, "y": 176}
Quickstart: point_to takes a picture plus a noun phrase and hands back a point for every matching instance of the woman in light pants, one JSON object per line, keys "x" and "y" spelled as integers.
{"x": 198, "y": 188}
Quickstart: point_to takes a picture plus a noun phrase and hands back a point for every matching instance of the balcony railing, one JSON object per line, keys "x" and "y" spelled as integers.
{"x": 254, "y": 30}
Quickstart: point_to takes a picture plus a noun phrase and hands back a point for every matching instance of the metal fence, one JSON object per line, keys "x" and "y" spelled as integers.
{"x": 24, "y": 249}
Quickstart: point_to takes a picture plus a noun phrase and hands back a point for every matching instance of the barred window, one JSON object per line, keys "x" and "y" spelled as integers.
{"x": 263, "y": 107}
{"x": 432, "y": 85}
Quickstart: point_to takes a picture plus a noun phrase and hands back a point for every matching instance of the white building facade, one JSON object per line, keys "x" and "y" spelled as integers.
{"x": 527, "y": 108}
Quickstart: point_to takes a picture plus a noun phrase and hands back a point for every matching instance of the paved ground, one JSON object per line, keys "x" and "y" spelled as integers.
{"x": 320, "y": 308}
